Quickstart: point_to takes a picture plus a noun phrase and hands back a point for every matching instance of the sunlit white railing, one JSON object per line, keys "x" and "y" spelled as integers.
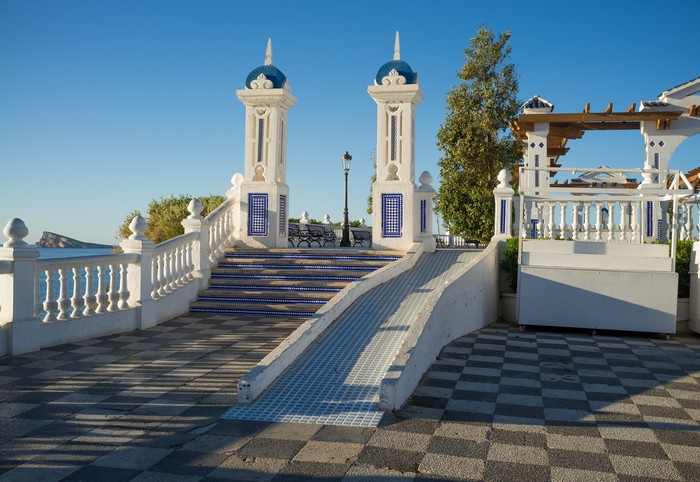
{"x": 221, "y": 234}
{"x": 90, "y": 296}
{"x": 603, "y": 214}
{"x": 172, "y": 266}
{"x": 81, "y": 286}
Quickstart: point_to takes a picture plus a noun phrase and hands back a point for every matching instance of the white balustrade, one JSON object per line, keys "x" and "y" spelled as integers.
{"x": 221, "y": 229}
{"x": 607, "y": 219}
{"x": 171, "y": 266}
{"x": 70, "y": 285}
{"x": 67, "y": 291}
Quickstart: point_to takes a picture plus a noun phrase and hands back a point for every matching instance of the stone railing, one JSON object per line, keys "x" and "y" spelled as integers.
{"x": 603, "y": 214}
{"x": 45, "y": 302}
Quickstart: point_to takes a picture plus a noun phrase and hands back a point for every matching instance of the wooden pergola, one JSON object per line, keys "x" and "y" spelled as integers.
{"x": 563, "y": 127}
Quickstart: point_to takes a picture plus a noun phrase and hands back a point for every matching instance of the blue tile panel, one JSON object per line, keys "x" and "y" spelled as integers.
{"x": 650, "y": 218}
{"x": 503, "y": 216}
{"x": 392, "y": 215}
{"x": 283, "y": 216}
{"x": 423, "y": 220}
{"x": 393, "y": 137}
{"x": 336, "y": 380}
{"x": 261, "y": 138}
{"x": 257, "y": 214}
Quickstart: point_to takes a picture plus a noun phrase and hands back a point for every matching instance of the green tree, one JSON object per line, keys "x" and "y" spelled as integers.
{"x": 474, "y": 138}
{"x": 165, "y": 216}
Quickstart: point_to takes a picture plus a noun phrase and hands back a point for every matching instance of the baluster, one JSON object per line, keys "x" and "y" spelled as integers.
{"x": 623, "y": 222}
{"x": 155, "y": 284}
{"x": 123, "y": 288}
{"x": 89, "y": 298}
{"x": 574, "y": 222}
{"x": 586, "y": 221}
{"x": 682, "y": 217}
{"x": 599, "y": 221}
{"x": 50, "y": 304}
{"x": 550, "y": 223}
{"x": 563, "y": 228}
{"x": 113, "y": 289}
{"x": 689, "y": 222}
{"x": 182, "y": 265}
{"x": 63, "y": 301}
{"x": 102, "y": 297}
{"x": 171, "y": 271}
{"x": 76, "y": 300}
{"x": 635, "y": 225}
{"x": 611, "y": 222}
{"x": 190, "y": 261}
{"x": 162, "y": 275}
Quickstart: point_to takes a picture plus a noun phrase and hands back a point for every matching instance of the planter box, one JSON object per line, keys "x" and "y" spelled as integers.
{"x": 507, "y": 307}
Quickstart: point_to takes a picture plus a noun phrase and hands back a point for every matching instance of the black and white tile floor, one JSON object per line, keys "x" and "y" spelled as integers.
{"x": 498, "y": 404}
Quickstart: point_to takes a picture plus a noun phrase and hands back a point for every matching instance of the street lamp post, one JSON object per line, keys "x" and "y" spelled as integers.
{"x": 345, "y": 242}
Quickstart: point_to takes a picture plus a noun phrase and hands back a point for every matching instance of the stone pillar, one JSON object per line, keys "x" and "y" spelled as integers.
{"x": 694, "y": 308}
{"x": 195, "y": 223}
{"x": 503, "y": 198}
{"x": 17, "y": 290}
{"x": 423, "y": 216}
{"x": 140, "y": 274}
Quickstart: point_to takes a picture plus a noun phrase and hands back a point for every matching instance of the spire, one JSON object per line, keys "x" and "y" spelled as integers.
{"x": 397, "y": 48}
{"x": 268, "y": 52}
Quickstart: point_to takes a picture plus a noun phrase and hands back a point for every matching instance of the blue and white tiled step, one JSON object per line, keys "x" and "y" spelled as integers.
{"x": 284, "y": 282}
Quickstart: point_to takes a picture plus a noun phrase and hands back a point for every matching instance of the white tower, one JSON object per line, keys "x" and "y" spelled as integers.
{"x": 401, "y": 214}
{"x": 264, "y": 194}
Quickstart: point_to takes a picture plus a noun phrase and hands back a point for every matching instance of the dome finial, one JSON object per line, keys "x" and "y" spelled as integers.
{"x": 268, "y": 52}
{"x": 397, "y": 47}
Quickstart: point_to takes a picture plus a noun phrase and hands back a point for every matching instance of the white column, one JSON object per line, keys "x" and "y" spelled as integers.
{"x": 195, "y": 223}
{"x": 17, "y": 290}
{"x": 503, "y": 199}
{"x": 139, "y": 274}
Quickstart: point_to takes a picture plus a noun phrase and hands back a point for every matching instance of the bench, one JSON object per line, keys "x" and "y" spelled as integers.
{"x": 362, "y": 236}
{"x": 296, "y": 236}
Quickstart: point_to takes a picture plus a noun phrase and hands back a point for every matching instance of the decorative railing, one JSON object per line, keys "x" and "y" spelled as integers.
{"x": 603, "y": 214}
{"x": 139, "y": 288}
{"x": 173, "y": 264}
{"x": 221, "y": 234}
{"x": 449, "y": 241}
{"x": 81, "y": 286}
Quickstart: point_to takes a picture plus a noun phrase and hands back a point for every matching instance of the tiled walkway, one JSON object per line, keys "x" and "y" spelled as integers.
{"x": 336, "y": 381}
{"x": 497, "y": 405}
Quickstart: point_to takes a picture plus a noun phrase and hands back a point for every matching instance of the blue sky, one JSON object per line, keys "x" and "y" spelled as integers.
{"x": 105, "y": 105}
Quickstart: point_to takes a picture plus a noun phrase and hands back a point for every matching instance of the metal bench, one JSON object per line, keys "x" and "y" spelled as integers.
{"x": 361, "y": 236}
{"x": 296, "y": 236}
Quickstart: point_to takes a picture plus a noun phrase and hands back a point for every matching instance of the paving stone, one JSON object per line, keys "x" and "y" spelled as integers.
{"x": 452, "y": 467}
{"x": 392, "y": 459}
{"x": 271, "y": 448}
{"x": 364, "y": 473}
{"x": 139, "y": 458}
{"x": 299, "y": 471}
{"x": 247, "y": 468}
{"x": 329, "y": 452}
{"x": 188, "y": 462}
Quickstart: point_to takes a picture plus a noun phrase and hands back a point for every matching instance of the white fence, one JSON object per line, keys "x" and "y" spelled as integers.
{"x": 44, "y": 302}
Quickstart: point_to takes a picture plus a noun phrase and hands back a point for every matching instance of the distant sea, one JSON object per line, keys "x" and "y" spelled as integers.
{"x": 51, "y": 253}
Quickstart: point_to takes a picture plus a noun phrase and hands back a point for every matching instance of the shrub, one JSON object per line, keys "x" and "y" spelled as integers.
{"x": 509, "y": 262}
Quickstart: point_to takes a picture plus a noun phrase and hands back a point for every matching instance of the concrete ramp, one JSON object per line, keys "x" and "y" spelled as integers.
{"x": 336, "y": 381}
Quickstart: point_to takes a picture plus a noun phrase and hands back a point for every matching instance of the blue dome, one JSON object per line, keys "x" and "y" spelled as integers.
{"x": 401, "y": 67}
{"x": 272, "y": 74}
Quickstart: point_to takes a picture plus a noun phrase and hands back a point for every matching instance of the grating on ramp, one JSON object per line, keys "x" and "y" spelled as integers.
{"x": 336, "y": 380}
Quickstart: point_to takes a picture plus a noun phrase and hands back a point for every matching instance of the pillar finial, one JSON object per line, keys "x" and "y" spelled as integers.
{"x": 268, "y": 52}
{"x": 397, "y": 47}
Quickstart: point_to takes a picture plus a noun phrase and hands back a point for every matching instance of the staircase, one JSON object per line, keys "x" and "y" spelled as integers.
{"x": 284, "y": 282}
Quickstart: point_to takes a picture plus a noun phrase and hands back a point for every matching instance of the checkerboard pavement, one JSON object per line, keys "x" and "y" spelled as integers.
{"x": 498, "y": 404}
